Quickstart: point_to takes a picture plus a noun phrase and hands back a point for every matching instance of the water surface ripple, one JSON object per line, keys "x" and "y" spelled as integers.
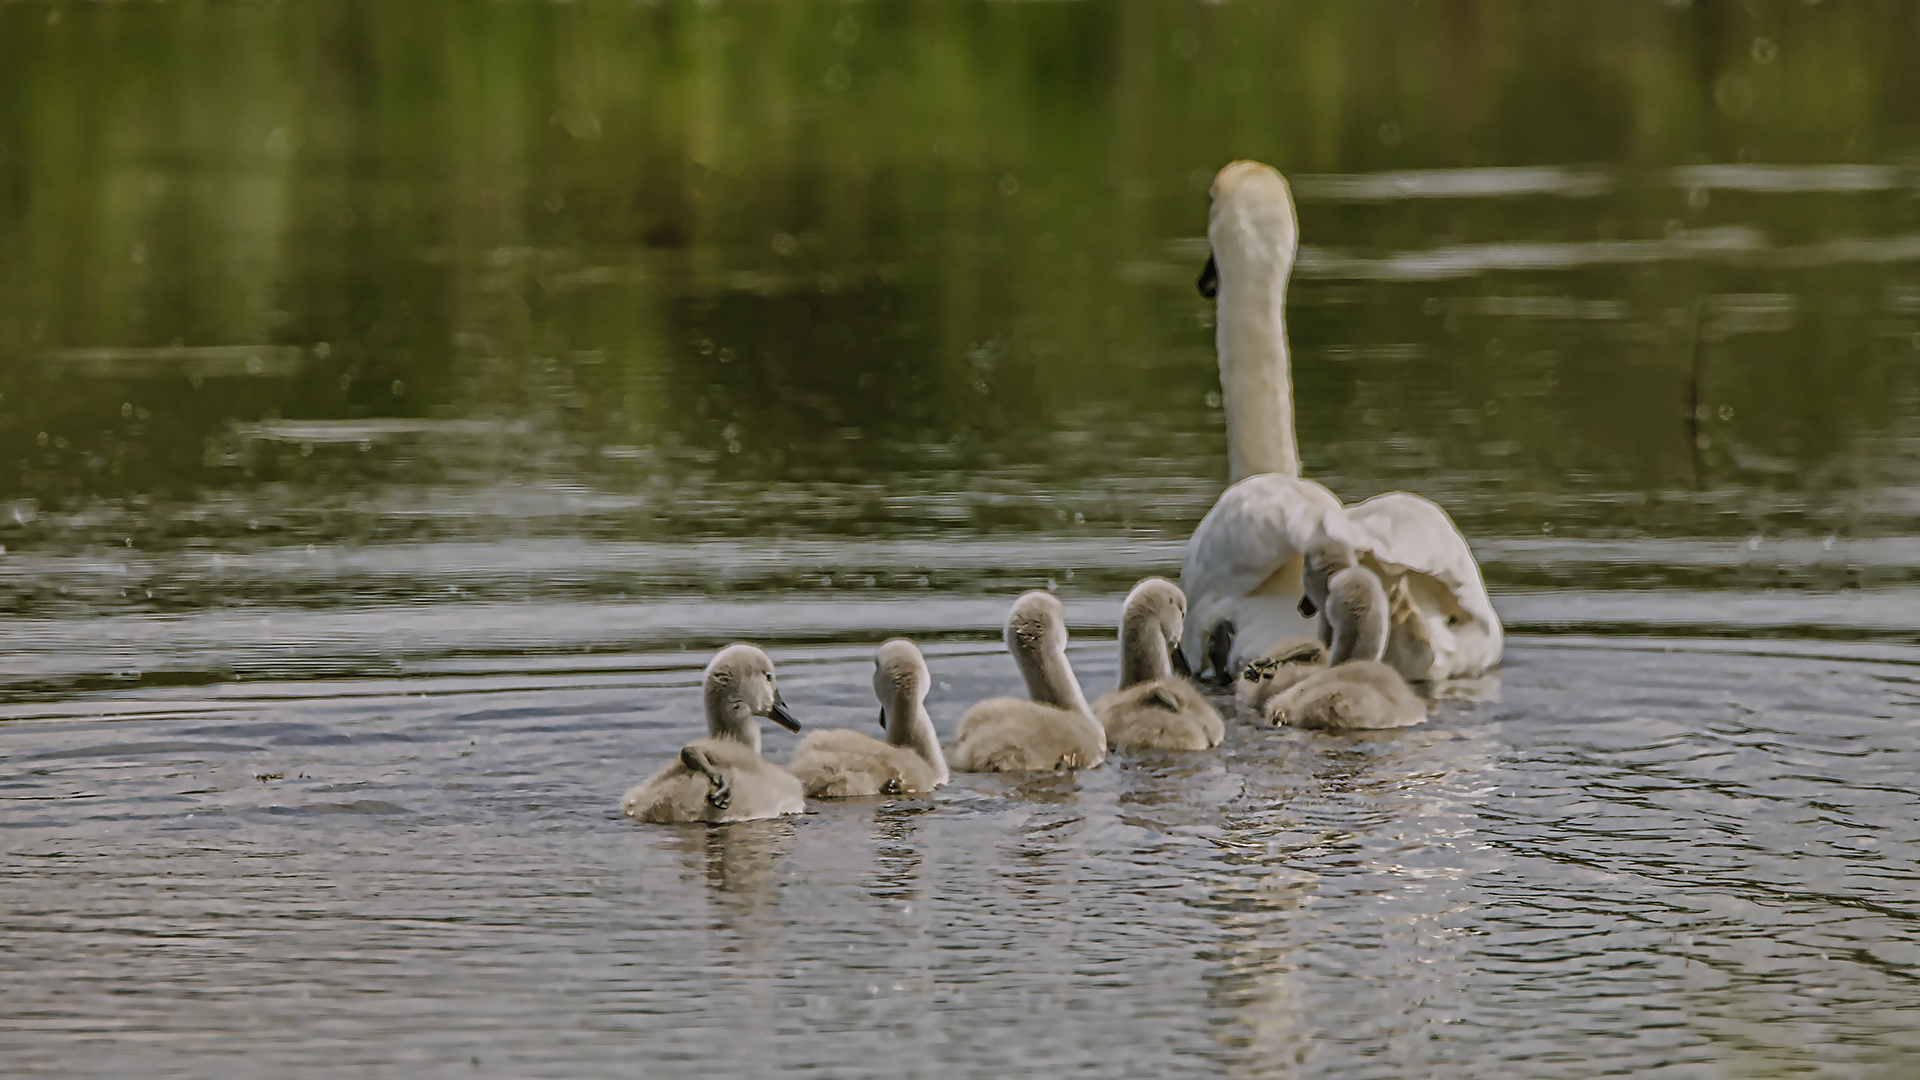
{"x": 1617, "y": 859}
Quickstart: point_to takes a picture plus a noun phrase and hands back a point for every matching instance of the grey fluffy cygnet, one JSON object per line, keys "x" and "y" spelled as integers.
{"x": 1051, "y": 729}
{"x": 1357, "y": 691}
{"x": 1281, "y": 666}
{"x": 723, "y": 777}
{"x": 1155, "y": 708}
{"x": 840, "y": 763}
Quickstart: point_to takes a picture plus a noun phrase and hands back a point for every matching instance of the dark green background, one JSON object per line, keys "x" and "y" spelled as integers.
{"x": 839, "y": 268}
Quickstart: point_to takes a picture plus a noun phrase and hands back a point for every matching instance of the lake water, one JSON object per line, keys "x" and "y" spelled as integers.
{"x": 397, "y": 407}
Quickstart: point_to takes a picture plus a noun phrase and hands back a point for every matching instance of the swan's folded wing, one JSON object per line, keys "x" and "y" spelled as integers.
{"x": 1408, "y": 533}
{"x": 1256, "y": 526}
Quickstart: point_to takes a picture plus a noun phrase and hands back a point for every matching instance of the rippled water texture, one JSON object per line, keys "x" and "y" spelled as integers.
{"x": 398, "y": 403}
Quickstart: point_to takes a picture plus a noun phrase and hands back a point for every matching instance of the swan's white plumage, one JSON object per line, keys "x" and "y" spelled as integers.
{"x": 1243, "y": 563}
{"x": 1444, "y": 624}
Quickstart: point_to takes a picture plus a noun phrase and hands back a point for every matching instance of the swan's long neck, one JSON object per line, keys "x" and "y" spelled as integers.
{"x": 1144, "y": 655}
{"x": 1050, "y": 680}
{"x": 925, "y": 741}
{"x": 1256, "y": 376}
{"x": 1357, "y": 612}
{"x": 729, "y": 717}
{"x": 909, "y": 726}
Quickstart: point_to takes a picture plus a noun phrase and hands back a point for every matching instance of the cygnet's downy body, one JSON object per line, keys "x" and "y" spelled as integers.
{"x": 1357, "y": 691}
{"x": 1155, "y": 708}
{"x": 723, "y": 777}
{"x": 1286, "y": 663}
{"x": 1051, "y": 729}
{"x": 840, "y": 763}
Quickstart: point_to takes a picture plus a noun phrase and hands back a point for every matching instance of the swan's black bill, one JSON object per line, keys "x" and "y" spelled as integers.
{"x": 780, "y": 714}
{"x": 1307, "y": 610}
{"x": 883, "y": 718}
{"x": 1180, "y": 665}
{"x": 1209, "y": 283}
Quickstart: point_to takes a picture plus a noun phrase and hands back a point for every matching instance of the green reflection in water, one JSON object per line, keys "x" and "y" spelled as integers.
{"x": 751, "y": 261}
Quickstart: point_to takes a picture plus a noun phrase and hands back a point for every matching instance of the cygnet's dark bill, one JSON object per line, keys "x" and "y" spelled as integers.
{"x": 780, "y": 714}
{"x": 883, "y": 718}
{"x": 1180, "y": 665}
{"x": 1209, "y": 283}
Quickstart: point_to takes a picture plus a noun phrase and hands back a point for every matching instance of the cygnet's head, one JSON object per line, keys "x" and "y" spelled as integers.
{"x": 740, "y": 679}
{"x": 1251, "y": 227}
{"x": 1036, "y": 635}
{"x": 900, "y": 682}
{"x": 1036, "y": 625}
{"x": 1158, "y": 604}
{"x": 1219, "y": 658}
{"x": 1323, "y": 561}
{"x": 1357, "y": 615}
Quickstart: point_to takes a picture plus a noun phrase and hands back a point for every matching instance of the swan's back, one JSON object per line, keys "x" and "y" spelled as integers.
{"x": 1358, "y": 694}
{"x": 1242, "y": 564}
{"x": 1009, "y": 734}
{"x": 677, "y": 793}
{"x": 838, "y": 764}
{"x": 1445, "y": 625}
{"x": 1165, "y": 714}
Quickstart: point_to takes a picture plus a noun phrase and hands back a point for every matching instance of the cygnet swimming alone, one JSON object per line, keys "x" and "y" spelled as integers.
{"x": 1358, "y": 691}
{"x": 1155, "y": 708}
{"x": 840, "y": 763}
{"x": 1283, "y": 665}
{"x": 723, "y": 777}
{"x": 1054, "y": 730}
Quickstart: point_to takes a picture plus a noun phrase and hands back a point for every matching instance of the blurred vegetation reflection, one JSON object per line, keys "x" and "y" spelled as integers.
{"x": 854, "y": 268}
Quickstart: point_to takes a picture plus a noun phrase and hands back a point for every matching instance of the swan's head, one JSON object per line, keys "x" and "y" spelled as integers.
{"x": 742, "y": 676}
{"x": 1156, "y": 606}
{"x": 900, "y": 680}
{"x": 1252, "y": 228}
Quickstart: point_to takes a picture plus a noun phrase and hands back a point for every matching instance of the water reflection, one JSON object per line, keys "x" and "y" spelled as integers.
{"x": 738, "y": 861}
{"x": 753, "y": 286}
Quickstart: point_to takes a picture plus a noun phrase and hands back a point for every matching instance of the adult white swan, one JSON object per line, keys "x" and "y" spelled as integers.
{"x": 1243, "y": 564}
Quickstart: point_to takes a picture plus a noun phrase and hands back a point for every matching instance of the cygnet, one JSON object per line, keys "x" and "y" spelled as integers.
{"x": 1155, "y": 708}
{"x": 723, "y": 777}
{"x": 1280, "y": 667}
{"x": 1357, "y": 691}
{"x": 840, "y": 763}
{"x": 1053, "y": 730}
